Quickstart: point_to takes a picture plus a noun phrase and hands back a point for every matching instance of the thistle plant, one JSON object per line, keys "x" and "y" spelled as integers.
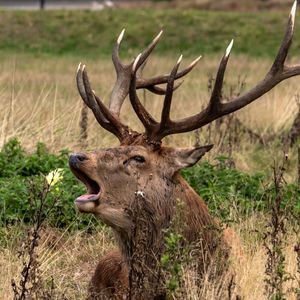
{"x": 31, "y": 285}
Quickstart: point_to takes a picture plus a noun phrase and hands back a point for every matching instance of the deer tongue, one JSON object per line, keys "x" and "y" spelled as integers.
{"x": 88, "y": 197}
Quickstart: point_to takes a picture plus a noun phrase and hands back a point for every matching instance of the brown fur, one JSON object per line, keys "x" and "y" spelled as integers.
{"x": 110, "y": 280}
{"x": 138, "y": 200}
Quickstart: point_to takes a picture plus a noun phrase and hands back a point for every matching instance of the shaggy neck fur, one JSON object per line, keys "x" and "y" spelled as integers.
{"x": 152, "y": 215}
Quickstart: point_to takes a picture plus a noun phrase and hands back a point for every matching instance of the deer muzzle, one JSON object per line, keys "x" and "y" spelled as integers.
{"x": 77, "y": 162}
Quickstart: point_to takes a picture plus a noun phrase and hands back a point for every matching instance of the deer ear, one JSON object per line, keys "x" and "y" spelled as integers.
{"x": 187, "y": 157}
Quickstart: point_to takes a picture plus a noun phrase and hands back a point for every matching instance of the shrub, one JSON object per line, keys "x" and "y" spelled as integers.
{"x": 225, "y": 188}
{"x": 20, "y": 172}
{"x": 221, "y": 187}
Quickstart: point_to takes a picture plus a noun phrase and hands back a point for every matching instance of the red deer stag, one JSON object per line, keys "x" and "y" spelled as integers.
{"x": 133, "y": 188}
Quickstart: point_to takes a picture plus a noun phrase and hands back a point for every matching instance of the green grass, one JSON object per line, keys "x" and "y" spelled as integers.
{"x": 189, "y": 32}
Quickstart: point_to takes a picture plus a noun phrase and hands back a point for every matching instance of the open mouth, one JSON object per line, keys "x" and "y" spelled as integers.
{"x": 93, "y": 188}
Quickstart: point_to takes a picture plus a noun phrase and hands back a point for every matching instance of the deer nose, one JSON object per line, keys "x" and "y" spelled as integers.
{"x": 77, "y": 158}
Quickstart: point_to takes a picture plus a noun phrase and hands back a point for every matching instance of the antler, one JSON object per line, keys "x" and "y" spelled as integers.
{"x": 104, "y": 117}
{"x": 128, "y": 82}
{"x": 121, "y": 88}
{"x": 153, "y": 128}
{"x": 108, "y": 118}
{"x": 216, "y": 108}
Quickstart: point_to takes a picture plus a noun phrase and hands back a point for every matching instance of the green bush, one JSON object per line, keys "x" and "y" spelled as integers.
{"x": 225, "y": 189}
{"x": 221, "y": 187}
{"x": 15, "y": 162}
{"x": 22, "y": 177}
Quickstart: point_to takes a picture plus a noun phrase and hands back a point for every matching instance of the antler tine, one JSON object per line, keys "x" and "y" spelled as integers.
{"x": 147, "y": 120}
{"x": 216, "y": 95}
{"x": 121, "y": 87}
{"x": 162, "y": 91}
{"x": 88, "y": 100}
{"x": 145, "y": 54}
{"x": 193, "y": 122}
{"x": 286, "y": 43}
{"x": 156, "y": 89}
{"x": 102, "y": 114}
{"x": 165, "y": 115}
{"x": 115, "y": 54}
{"x": 80, "y": 85}
{"x": 150, "y": 82}
{"x": 278, "y": 72}
{"x": 96, "y": 100}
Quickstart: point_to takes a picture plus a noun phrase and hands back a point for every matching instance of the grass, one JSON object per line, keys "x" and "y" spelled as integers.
{"x": 39, "y": 102}
{"x": 191, "y": 32}
{"x": 71, "y": 258}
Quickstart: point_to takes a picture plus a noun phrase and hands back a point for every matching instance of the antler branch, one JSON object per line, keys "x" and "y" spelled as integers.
{"x": 145, "y": 117}
{"x": 128, "y": 82}
{"x": 121, "y": 87}
{"x": 165, "y": 115}
{"x": 216, "y": 108}
{"x": 104, "y": 117}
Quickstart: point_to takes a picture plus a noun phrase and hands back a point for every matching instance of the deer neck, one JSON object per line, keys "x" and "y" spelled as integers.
{"x": 176, "y": 208}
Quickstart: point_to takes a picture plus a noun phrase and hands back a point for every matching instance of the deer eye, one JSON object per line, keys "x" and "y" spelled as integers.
{"x": 138, "y": 158}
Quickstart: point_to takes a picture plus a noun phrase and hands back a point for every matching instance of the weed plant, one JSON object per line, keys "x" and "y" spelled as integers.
{"x": 231, "y": 195}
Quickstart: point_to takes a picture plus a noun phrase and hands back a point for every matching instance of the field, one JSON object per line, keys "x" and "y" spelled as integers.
{"x": 39, "y": 102}
{"x": 39, "y": 93}
{"x": 91, "y": 34}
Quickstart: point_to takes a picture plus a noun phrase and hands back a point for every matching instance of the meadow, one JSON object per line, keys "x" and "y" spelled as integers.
{"x": 40, "y": 103}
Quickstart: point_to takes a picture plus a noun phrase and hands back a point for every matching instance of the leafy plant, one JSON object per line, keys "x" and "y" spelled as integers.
{"x": 223, "y": 188}
{"x": 175, "y": 255}
{"x": 19, "y": 171}
{"x": 275, "y": 240}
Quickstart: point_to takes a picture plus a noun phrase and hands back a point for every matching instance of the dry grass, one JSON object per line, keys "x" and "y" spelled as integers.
{"x": 71, "y": 258}
{"x": 39, "y": 101}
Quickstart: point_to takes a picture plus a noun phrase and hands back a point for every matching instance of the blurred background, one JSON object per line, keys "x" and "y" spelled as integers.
{"x": 42, "y": 42}
{"x": 242, "y": 5}
{"x": 42, "y": 114}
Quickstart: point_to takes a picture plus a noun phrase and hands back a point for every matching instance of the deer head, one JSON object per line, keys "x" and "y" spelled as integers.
{"x": 141, "y": 166}
{"x": 115, "y": 176}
